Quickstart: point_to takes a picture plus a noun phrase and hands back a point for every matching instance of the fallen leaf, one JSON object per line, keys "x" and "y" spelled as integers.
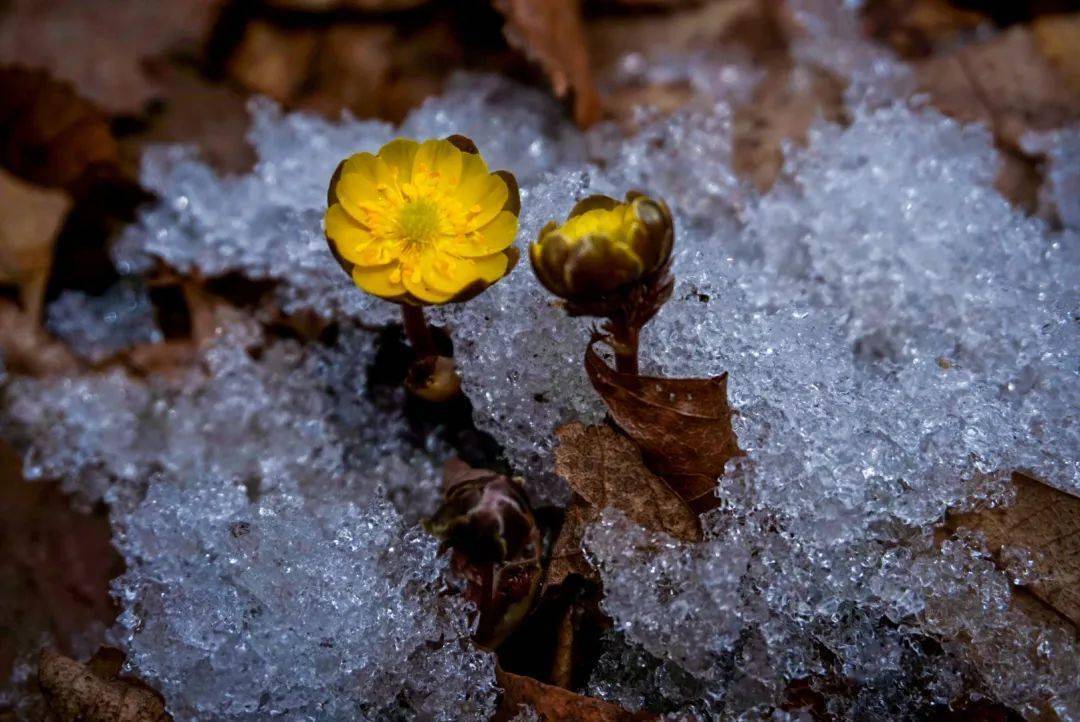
{"x": 75, "y": 694}
{"x": 606, "y": 470}
{"x": 551, "y": 33}
{"x": 50, "y": 135}
{"x": 193, "y": 110}
{"x": 1057, "y": 38}
{"x": 101, "y": 45}
{"x": 55, "y": 566}
{"x": 566, "y": 555}
{"x": 30, "y": 219}
{"x": 916, "y": 28}
{"x": 1006, "y": 82}
{"x": 27, "y": 348}
{"x": 784, "y": 106}
{"x": 374, "y": 6}
{"x": 1046, "y": 523}
{"x": 682, "y": 426}
{"x": 272, "y": 59}
{"x": 554, "y": 704}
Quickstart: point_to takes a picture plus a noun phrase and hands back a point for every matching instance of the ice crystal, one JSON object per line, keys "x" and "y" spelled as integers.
{"x": 96, "y": 327}
{"x": 899, "y": 340}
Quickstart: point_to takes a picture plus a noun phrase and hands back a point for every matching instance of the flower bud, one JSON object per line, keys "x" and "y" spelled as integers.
{"x": 604, "y": 248}
{"x": 488, "y": 522}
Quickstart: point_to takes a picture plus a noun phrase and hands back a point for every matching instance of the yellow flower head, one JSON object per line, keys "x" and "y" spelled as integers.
{"x": 423, "y": 223}
{"x": 604, "y": 246}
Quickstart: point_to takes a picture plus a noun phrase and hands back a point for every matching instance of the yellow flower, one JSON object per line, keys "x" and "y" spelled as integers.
{"x": 604, "y": 247}
{"x": 423, "y": 223}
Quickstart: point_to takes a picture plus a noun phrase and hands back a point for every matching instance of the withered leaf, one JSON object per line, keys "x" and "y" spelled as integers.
{"x": 102, "y": 47}
{"x": 1046, "y": 523}
{"x": 784, "y": 106}
{"x": 30, "y": 218}
{"x": 551, "y": 33}
{"x": 606, "y": 469}
{"x": 554, "y": 704}
{"x": 566, "y": 555}
{"x": 1008, "y": 82}
{"x": 682, "y": 426}
{"x": 73, "y": 692}
{"x": 50, "y": 136}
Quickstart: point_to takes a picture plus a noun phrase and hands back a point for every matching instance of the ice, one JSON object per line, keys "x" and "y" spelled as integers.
{"x": 96, "y": 327}
{"x": 899, "y": 341}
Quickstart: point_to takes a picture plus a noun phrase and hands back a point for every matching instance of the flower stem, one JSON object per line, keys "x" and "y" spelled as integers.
{"x": 624, "y": 342}
{"x": 418, "y": 331}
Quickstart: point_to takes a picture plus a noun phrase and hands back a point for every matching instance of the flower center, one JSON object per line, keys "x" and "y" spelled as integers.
{"x": 419, "y": 220}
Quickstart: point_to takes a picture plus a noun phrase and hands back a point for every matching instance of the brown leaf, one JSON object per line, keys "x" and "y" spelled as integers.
{"x": 784, "y": 106}
{"x": 551, "y": 33}
{"x": 553, "y": 704}
{"x": 101, "y": 47}
{"x": 605, "y": 469}
{"x": 1057, "y": 38}
{"x": 55, "y": 565}
{"x": 1046, "y": 523}
{"x": 566, "y": 555}
{"x": 375, "y": 6}
{"x": 30, "y": 219}
{"x": 682, "y": 426}
{"x": 193, "y": 110}
{"x": 1006, "y": 82}
{"x": 916, "y": 28}
{"x": 272, "y": 59}
{"x": 74, "y": 693}
{"x": 50, "y": 136}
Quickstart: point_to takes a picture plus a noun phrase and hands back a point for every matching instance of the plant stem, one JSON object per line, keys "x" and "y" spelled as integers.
{"x": 417, "y": 331}
{"x": 624, "y": 341}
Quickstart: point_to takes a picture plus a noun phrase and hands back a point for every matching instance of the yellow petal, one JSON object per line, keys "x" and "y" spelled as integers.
{"x": 473, "y": 168}
{"x": 348, "y": 236}
{"x": 382, "y": 281}
{"x": 491, "y": 268}
{"x": 441, "y": 158}
{"x": 414, "y": 283}
{"x": 399, "y": 155}
{"x": 492, "y": 238}
{"x": 446, "y": 273}
{"x": 485, "y": 202}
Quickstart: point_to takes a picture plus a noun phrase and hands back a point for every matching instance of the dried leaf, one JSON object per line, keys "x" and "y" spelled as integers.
{"x": 193, "y": 110}
{"x": 55, "y": 565}
{"x": 273, "y": 60}
{"x": 784, "y": 106}
{"x": 551, "y": 33}
{"x": 1046, "y": 523}
{"x": 682, "y": 426}
{"x": 27, "y": 348}
{"x": 1006, "y": 82}
{"x": 374, "y": 6}
{"x": 74, "y": 693}
{"x": 915, "y": 28}
{"x": 102, "y": 46}
{"x": 553, "y": 704}
{"x": 1057, "y": 38}
{"x": 605, "y": 469}
{"x": 30, "y": 219}
{"x": 51, "y": 136}
{"x": 566, "y": 555}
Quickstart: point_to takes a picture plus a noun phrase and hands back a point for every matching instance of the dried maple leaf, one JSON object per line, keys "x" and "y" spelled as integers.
{"x": 1046, "y": 523}
{"x": 50, "y": 136}
{"x": 73, "y": 692}
{"x": 554, "y": 704}
{"x": 551, "y": 33}
{"x": 102, "y": 45}
{"x": 606, "y": 470}
{"x": 682, "y": 426}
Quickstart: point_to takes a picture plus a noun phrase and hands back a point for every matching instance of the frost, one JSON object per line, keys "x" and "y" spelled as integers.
{"x": 899, "y": 340}
{"x": 96, "y": 327}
